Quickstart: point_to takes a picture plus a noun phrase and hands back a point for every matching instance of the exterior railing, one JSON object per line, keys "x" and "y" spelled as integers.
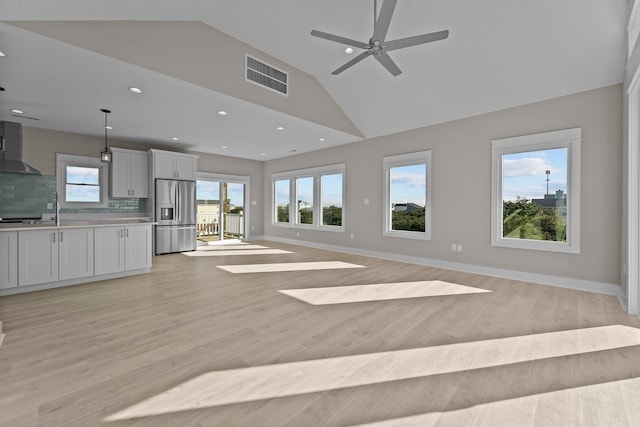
{"x": 234, "y": 224}
{"x": 207, "y": 225}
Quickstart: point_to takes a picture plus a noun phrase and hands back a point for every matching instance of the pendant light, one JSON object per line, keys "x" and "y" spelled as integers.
{"x": 105, "y": 155}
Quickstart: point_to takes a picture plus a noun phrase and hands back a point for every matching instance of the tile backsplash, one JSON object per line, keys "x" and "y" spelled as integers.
{"x": 28, "y": 195}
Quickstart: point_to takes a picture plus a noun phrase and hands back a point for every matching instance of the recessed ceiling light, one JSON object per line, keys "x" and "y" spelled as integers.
{"x": 175, "y": 138}
{"x": 224, "y": 147}
{"x": 2, "y": 54}
{"x": 263, "y": 154}
{"x": 13, "y": 110}
{"x": 321, "y": 139}
{"x": 108, "y": 127}
{"x": 348, "y": 50}
{"x": 222, "y": 113}
{"x": 135, "y": 90}
{"x": 280, "y": 128}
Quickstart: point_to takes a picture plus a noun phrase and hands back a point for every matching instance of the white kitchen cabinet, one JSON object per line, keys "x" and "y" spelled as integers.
{"x": 170, "y": 165}
{"x": 120, "y": 249}
{"x": 137, "y": 247}
{"x": 52, "y": 255}
{"x": 37, "y": 257}
{"x": 8, "y": 260}
{"x": 129, "y": 173}
{"x": 109, "y": 250}
{"x": 75, "y": 253}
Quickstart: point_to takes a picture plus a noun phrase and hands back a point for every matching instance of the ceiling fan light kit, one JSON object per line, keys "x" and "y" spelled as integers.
{"x": 377, "y": 46}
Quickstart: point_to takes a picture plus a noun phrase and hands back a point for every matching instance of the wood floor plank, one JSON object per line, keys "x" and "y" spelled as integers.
{"x": 87, "y": 354}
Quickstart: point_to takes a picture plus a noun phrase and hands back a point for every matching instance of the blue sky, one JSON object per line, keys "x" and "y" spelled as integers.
{"x": 332, "y": 190}
{"x": 523, "y": 174}
{"x": 82, "y": 193}
{"x": 210, "y": 190}
{"x": 408, "y": 184}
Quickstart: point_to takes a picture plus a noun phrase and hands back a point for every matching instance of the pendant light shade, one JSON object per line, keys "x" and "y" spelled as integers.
{"x": 105, "y": 155}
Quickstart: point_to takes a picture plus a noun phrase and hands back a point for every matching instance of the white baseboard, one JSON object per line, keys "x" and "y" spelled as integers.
{"x": 543, "y": 279}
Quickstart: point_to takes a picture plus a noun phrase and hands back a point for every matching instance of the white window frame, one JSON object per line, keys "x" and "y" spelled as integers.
{"x": 571, "y": 140}
{"x": 409, "y": 159}
{"x": 274, "y": 205}
{"x": 65, "y": 160}
{"x": 316, "y": 173}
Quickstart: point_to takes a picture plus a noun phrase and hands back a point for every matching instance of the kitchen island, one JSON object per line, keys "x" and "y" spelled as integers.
{"x": 43, "y": 255}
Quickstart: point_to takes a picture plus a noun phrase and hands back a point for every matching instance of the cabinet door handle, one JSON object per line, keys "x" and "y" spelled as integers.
{"x": 121, "y": 233}
{"x": 61, "y": 236}
{"x": 54, "y": 237}
{"x": 127, "y": 232}
{"x": 132, "y": 192}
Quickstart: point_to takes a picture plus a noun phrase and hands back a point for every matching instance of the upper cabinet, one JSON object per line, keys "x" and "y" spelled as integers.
{"x": 129, "y": 173}
{"x": 170, "y": 165}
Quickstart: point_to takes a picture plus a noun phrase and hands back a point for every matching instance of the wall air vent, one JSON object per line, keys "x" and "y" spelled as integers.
{"x": 267, "y": 76}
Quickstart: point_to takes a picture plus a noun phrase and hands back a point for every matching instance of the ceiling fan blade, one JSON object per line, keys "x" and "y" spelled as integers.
{"x": 388, "y": 63}
{"x": 415, "y": 40}
{"x": 339, "y": 39}
{"x": 384, "y": 19}
{"x": 351, "y": 63}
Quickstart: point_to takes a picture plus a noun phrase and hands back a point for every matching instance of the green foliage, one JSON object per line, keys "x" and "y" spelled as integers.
{"x": 283, "y": 213}
{"x": 332, "y": 215}
{"x": 523, "y": 219}
{"x": 408, "y": 220}
{"x": 305, "y": 216}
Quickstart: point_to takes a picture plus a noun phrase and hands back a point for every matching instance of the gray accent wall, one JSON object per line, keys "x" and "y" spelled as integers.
{"x": 461, "y": 188}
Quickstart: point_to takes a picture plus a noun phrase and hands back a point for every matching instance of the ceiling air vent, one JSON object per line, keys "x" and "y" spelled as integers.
{"x": 267, "y": 76}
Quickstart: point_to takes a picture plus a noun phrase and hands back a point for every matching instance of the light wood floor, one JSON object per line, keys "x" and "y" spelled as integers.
{"x": 192, "y": 344}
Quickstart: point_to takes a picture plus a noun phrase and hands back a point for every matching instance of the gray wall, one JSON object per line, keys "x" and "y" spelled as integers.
{"x": 41, "y": 145}
{"x": 461, "y": 187}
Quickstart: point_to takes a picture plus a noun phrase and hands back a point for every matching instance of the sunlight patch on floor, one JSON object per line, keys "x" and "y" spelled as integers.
{"x": 236, "y": 246}
{"x": 287, "y": 266}
{"x": 288, "y": 379}
{"x": 562, "y": 407}
{"x": 237, "y": 252}
{"x": 379, "y": 292}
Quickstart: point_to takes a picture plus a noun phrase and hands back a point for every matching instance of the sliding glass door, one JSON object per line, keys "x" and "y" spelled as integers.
{"x": 222, "y": 208}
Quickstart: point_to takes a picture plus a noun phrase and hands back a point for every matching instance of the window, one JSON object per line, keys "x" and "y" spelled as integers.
{"x": 81, "y": 181}
{"x": 331, "y": 199}
{"x": 316, "y": 194}
{"x": 281, "y": 196}
{"x": 536, "y": 191}
{"x": 304, "y": 200}
{"x": 407, "y": 208}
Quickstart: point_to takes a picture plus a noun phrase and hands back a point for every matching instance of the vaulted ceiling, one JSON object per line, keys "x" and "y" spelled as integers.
{"x": 66, "y": 59}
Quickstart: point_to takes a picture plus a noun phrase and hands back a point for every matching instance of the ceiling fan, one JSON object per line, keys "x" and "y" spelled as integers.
{"x": 377, "y": 45}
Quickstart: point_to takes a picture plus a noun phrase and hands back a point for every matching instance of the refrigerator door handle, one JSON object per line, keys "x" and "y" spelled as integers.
{"x": 178, "y": 216}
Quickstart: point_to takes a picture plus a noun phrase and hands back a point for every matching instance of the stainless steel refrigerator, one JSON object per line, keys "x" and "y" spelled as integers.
{"x": 175, "y": 215}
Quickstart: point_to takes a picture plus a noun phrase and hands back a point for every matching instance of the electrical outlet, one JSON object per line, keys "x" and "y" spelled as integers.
{"x": 297, "y": 234}
{"x": 49, "y": 205}
{"x": 366, "y": 201}
{"x": 254, "y": 203}
{"x": 352, "y": 236}
{"x": 253, "y": 227}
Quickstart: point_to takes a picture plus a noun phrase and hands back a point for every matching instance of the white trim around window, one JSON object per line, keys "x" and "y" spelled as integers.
{"x": 410, "y": 159}
{"x": 569, "y": 139}
{"x": 63, "y": 161}
{"x": 290, "y": 178}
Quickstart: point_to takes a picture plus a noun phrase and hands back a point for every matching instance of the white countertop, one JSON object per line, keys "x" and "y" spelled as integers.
{"x": 49, "y": 225}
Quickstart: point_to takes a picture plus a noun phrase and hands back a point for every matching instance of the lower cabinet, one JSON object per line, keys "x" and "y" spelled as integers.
{"x": 33, "y": 257}
{"x": 52, "y": 255}
{"x": 75, "y": 253}
{"x": 8, "y": 260}
{"x": 120, "y": 249}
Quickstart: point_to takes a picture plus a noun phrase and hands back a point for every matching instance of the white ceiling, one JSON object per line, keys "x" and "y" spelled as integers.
{"x": 500, "y": 54}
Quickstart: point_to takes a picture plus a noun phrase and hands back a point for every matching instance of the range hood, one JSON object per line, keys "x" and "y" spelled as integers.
{"x": 11, "y": 150}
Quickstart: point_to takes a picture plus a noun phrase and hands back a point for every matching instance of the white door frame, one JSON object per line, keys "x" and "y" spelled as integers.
{"x": 233, "y": 179}
{"x": 633, "y": 197}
